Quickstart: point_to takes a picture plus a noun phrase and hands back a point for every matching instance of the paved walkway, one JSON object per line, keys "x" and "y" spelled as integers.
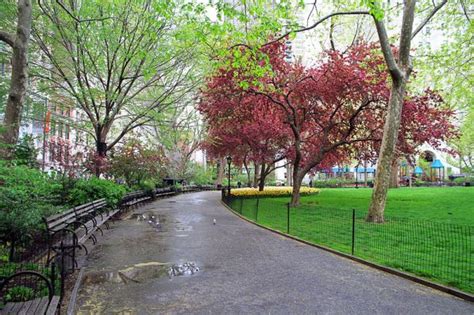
{"x": 242, "y": 269}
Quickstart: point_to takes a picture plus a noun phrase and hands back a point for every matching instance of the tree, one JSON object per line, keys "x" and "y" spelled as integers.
{"x": 178, "y": 132}
{"x": 136, "y": 163}
{"x": 243, "y": 125}
{"x": 119, "y": 61}
{"x": 25, "y": 152}
{"x": 332, "y": 113}
{"x": 19, "y": 77}
{"x": 399, "y": 67}
{"x": 464, "y": 145}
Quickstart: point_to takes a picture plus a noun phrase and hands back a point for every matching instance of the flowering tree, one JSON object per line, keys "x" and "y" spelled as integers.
{"x": 243, "y": 125}
{"x": 330, "y": 113}
{"x": 135, "y": 163}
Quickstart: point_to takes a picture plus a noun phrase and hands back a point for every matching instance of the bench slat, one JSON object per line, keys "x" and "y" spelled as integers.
{"x": 33, "y": 306}
{"x": 42, "y": 306}
{"x": 53, "y": 306}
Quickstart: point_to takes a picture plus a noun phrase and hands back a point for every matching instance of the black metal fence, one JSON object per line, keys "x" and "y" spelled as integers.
{"x": 438, "y": 251}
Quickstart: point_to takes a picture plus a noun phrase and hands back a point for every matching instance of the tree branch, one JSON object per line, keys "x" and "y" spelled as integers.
{"x": 7, "y": 38}
{"x": 393, "y": 68}
{"x": 316, "y": 24}
{"x": 428, "y": 18}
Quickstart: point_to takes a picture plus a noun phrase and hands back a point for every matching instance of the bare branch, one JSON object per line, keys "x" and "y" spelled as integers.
{"x": 316, "y": 24}
{"x": 428, "y": 18}
{"x": 74, "y": 17}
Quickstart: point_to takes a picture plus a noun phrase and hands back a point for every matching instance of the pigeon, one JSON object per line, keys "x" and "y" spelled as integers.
{"x": 214, "y": 221}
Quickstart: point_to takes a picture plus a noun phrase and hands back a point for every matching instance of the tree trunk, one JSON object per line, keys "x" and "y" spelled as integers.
{"x": 297, "y": 181}
{"x": 261, "y": 179}
{"x": 249, "y": 179}
{"x": 19, "y": 79}
{"x": 255, "y": 175}
{"x": 289, "y": 174}
{"x": 365, "y": 173}
{"x": 399, "y": 69}
{"x": 384, "y": 165}
{"x": 220, "y": 171}
{"x": 394, "y": 176}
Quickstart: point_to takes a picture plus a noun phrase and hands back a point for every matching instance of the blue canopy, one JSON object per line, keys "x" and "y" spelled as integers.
{"x": 437, "y": 164}
{"x": 404, "y": 163}
{"x": 418, "y": 170}
{"x": 340, "y": 169}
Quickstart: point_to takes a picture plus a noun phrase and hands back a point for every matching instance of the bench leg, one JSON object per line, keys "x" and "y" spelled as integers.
{"x": 93, "y": 238}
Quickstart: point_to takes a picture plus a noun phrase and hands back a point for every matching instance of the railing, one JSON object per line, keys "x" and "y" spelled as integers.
{"x": 438, "y": 251}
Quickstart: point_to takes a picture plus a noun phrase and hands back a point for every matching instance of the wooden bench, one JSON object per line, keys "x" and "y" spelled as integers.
{"x": 70, "y": 229}
{"x": 163, "y": 192}
{"x": 34, "y": 300}
{"x": 135, "y": 198}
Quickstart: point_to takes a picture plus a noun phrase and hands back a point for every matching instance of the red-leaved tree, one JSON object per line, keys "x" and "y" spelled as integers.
{"x": 334, "y": 111}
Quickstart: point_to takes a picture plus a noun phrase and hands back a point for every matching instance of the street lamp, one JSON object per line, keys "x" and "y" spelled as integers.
{"x": 229, "y": 160}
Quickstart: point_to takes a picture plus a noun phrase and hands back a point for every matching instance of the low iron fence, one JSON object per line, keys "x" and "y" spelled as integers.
{"x": 442, "y": 252}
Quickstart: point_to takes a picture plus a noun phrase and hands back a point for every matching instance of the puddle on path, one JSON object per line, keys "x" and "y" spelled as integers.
{"x": 139, "y": 273}
{"x": 135, "y": 274}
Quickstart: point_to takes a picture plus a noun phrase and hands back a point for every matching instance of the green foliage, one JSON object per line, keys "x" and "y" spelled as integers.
{"x": 332, "y": 183}
{"x": 202, "y": 176}
{"x": 462, "y": 180}
{"x": 136, "y": 163}
{"x": 25, "y": 196}
{"x": 25, "y": 152}
{"x": 419, "y": 183}
{"x": 146, "y": 185}
{"x": 19, "y": 294}
{"x": 86, "y": 190}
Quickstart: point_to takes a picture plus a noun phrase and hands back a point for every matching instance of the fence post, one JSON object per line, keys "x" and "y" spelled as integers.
{"x": 241, "y": 204}
{"x": 256, "y": 212}
{"x": 353, "y": 230}
{"x": 288, "y": 218}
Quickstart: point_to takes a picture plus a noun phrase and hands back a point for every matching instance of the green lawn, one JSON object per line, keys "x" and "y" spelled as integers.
{"x": 428, "y": 231}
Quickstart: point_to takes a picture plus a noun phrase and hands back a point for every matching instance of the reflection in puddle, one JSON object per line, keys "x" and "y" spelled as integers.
{"x": 186, "y": 269}
{"x": 135, "y": 274}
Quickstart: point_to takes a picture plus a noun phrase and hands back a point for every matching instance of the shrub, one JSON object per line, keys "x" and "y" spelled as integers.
{"x": 271, "y": 191}
{"x": 25, "y": 196}
{"x": 332, "y": 183}
{"x": 19, "y": 294}
{"x": 95, "y": 188}
{"x": 419, "y": 183}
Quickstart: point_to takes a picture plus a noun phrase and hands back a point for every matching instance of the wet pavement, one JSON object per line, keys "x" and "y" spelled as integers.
{"x": 169, "y": 257}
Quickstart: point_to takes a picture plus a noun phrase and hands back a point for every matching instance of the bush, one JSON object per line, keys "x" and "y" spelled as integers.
{"x": 200, "y": 175}
{"x": 95, "y": 188}
{"x": 332, "y": 183}
{"x": 270, "y": 191}
{"x": 419, "y": 183}
{"x": 25, "y": 196}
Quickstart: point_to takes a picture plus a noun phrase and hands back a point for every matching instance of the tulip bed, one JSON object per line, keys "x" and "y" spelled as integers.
{"x": 271, "y": 191}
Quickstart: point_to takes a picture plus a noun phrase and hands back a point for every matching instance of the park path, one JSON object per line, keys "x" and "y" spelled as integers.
{"x": 242, "y": 269}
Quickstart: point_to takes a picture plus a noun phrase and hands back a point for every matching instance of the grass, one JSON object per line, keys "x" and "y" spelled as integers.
{"x": 428, "y": 231}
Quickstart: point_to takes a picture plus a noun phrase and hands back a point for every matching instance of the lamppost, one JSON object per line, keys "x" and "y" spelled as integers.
{"x": 229, "y": 160}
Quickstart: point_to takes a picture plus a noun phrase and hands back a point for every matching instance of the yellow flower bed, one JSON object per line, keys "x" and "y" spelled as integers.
{"x": 271, "y": 191}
